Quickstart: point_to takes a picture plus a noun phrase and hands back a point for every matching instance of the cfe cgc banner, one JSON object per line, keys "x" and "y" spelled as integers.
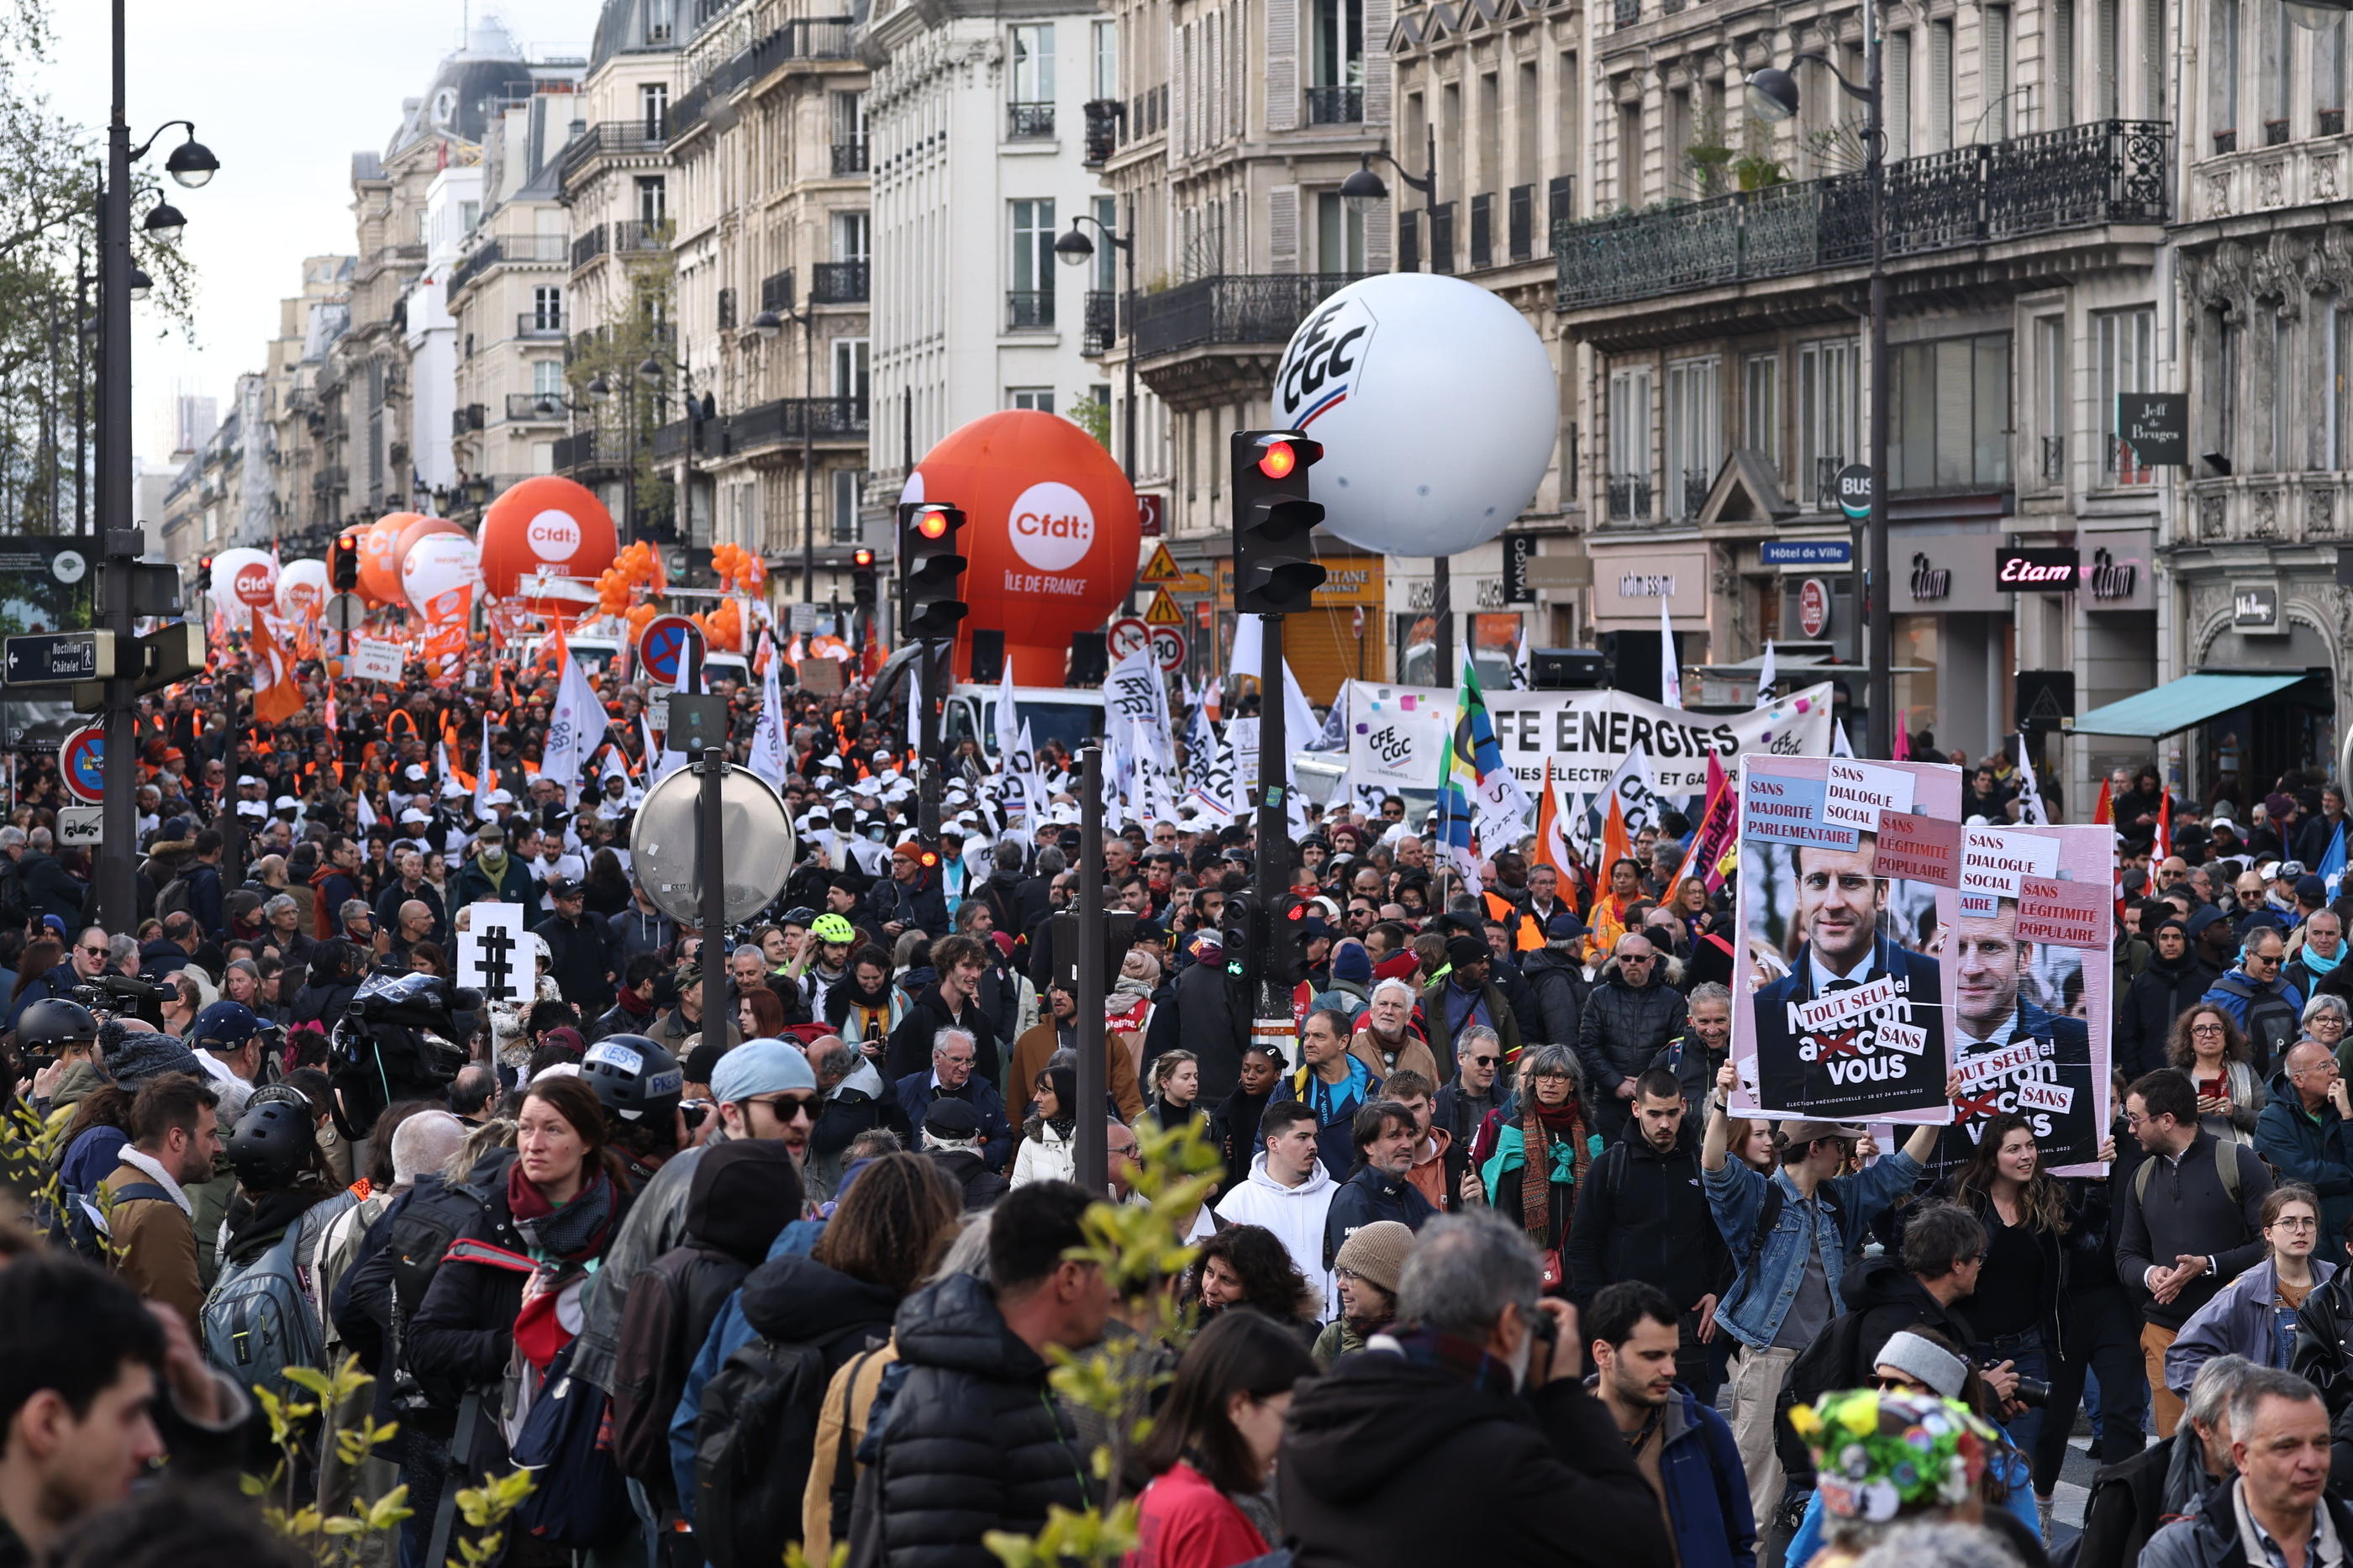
{"x": 1396, "y": 736}
{"x": 1848, "y": 874}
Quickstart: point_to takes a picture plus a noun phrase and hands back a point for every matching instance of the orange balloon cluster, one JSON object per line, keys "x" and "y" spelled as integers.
{"x": 637, "y": 567}
{"x": 738, "y": 568}
{"x": 723, "y": 627}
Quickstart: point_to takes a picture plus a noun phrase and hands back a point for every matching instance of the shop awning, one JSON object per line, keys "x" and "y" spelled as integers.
{"x": 2179, "y": 704}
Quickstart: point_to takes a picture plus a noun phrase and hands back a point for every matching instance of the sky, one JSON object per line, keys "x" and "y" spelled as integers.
{"x": 283, "y": 91}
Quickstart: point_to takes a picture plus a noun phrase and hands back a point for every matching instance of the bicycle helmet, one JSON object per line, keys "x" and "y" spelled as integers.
{"x": 834, "y": 928}
{"x": 634, "y": 1077}
{"x": 54, "y": 1023}
{"x": 272, "y": 1143}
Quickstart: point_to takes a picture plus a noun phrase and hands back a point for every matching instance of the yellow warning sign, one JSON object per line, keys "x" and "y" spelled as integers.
{"x": 1163, "y": 612}
{"x": 1161, "y": 568}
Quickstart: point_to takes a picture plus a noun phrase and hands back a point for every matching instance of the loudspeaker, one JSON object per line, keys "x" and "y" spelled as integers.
{"x": 1090, "y": 659}
{"x": 987, "y": 658}
{"x": 1565, "y": 668}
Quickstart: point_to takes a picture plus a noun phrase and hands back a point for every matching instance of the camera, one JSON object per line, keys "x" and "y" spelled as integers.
{"x": 2031, "y": 1391}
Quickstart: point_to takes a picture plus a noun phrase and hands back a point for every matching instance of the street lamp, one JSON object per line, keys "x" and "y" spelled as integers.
{"x": 1076, "y": 251}
{"x": 140, "y": 284}
{"x": 600, "y": 391}
{"x": 122, "y": 540}
{"x": 1772, "y": 94}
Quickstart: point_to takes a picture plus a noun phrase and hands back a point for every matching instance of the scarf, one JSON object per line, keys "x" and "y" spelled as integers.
{"x": 634, "y": 1005}
{"x": 574, "y": 1232}
{"x": 2317, "y": 965}
{"x": 493, "y": 866}
{"x": 1554, "y": 1136}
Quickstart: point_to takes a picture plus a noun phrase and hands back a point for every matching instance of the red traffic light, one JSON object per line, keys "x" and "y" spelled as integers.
{"x": 861, "y": 557}
{"x": 930, "y": 859}
{"x": 932, "y": 523}
{"x": 1276, "y": 460}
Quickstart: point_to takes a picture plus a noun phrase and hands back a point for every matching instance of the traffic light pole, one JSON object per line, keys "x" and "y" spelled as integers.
{"x": 123, "y": 541}
{"x": 1272, "y": 863}
{"x": 938, "y": 660}
{"x": 1094, "y": 1154}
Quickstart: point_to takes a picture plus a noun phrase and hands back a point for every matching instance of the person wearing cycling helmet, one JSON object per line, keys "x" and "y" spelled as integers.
{"x": 641, "y": 1085}
{"x": 65, "y": 1033}
{"x": 228, "y": 1039}
{"x": 834, "y": 937}
{"x": 282, "y": 1178}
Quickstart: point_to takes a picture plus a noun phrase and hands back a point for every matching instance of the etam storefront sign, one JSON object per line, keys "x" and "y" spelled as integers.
{"x": 2041, "y": 569}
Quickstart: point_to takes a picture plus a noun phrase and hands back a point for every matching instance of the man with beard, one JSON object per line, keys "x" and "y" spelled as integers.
{"x": 1840, "y": 898}
{"x": 2006, "y": 1042}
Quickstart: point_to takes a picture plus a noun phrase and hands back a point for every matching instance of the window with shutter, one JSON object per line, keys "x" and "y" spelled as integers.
{"x": 1899, "y": 96}
{"x": 1996, "y": 73}
{"x": 2062, "y": 62}
{"x": 1940, "y": 86}
{"x": 1281, "y": 64}
{"x": 2110, "y": 73}
{"x": 2155, "y": 50}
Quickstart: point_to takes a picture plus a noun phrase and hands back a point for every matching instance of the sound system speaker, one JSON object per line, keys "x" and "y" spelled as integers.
{"x": 987, "y": 658}
{"x": 1090, "y": 659}
{"x": 1565, "y": 668}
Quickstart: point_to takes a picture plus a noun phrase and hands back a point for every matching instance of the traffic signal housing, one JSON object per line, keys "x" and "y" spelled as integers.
{"x": 862, "y": 578}
{"x": 1287, "y": 938}
{"x": 1275, "y": 571}
{"x": 343, "y": 565}
{"x": 1241, "y": 931}
{"x": 931, "y": 571}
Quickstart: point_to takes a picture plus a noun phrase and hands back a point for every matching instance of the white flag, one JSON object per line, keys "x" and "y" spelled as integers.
{"x": 661, "y": 762}
{"x": 1765, "y": 678}
{"x": 915, "y": 703}
{"x": 767, "y": 756}
{"x": 1008, "y": 716}
{"x": 1136, "y": 697}
{"x": 2029, "y": 789}
{"x": 1839, "y": 745}
{"x": 486, "y": 775}
{"x": 1246, "y": 659}
{"x": 368, "y": 818}
{"x": 576, "y": 727}
{"x": 1671, "y": 668}
{"x": 1638, "y": 805}
{"x": 1522, "y": 678}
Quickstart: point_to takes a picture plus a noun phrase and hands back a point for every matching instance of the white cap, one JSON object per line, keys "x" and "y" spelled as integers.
{"x": 413, "y": 814}
{"x": 286, "y": 803}
{"x": 498, "y": 797}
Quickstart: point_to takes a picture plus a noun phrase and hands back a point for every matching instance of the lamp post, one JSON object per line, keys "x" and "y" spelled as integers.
{"x": 1772, "y": 95}
{"x": 1363, "y": 191}
{"x": 190, "y": 164}
{"x": 1076, "y": 251}
{"x": 768, "y": 323}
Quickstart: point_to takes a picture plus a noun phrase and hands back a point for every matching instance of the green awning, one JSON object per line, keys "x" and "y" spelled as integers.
{"x": 2179, "y": 704}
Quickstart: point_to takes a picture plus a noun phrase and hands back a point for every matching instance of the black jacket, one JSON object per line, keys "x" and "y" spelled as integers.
{"x": 1234, "y": 1126}
{"x": 2324, "y": 1358}
{"x": 977, "y": 1440}
{"x": 1622, "y": 1028}
{"x": 581, "y": 956}
{"x": 1366, "y": 1196}
{"x": 980, "y": 1185}
{"x": 2186, "y": 1209}
{"x": 1891, "y": 1301}
{"x": 1558, "y": 985}
{"x": 1201, "y": 1022}
{"x": 2078, "y": 1249}
{"x": 909, "y": 1048}
{"x": 1522, "y": 1480}
{"x": 2158, "y": 995}
{"x": 1642, "y": 1215}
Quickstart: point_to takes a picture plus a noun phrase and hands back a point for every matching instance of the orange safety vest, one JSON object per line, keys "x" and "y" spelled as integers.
{"x": 1526, "y": 935}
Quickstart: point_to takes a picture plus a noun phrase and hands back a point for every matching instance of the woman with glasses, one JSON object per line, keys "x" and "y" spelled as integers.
{"x": 2209, "y": 1048}
{"x": 2255, "y": 1315}
{"x": 2329, "y": 1019}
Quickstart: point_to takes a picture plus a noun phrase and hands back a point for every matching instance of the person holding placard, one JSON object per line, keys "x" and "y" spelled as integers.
{"x": 2012, "y": 1056}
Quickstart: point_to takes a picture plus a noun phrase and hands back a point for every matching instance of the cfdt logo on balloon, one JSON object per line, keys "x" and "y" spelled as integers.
{"x": 1052, "y": 526}
{"x": 257, "y": 584}
{"x": 554, "y": 536}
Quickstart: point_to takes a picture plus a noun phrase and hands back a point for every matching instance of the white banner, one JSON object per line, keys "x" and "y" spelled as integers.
{"x": 1396, "y": 736}
{"x": 374, "y": 660}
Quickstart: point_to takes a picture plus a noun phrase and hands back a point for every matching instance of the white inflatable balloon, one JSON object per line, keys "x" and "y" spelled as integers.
{"x": 1437, "y": 407}
{"x": 301, "y": 589}
{"x": 244, "y": 580}
{"x": 440, "y": 575}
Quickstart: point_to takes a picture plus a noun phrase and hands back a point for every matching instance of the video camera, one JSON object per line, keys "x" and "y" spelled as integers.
{"x": 123, "y": 996}
{"x": 394, "y": 1043}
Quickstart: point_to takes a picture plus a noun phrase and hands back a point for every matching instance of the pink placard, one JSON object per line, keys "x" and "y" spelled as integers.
{"x": 2073, "y": 914}
{"x": 1924, "y": 848}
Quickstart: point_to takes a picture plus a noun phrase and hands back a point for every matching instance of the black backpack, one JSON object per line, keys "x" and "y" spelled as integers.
{"x": 754, "y": 1441}
{"x": 1825, "y": 1366}
{"x": 435, "y": 1214}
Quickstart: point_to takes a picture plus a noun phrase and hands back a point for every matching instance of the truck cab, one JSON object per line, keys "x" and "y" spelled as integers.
{"x": 1073, "y": 715}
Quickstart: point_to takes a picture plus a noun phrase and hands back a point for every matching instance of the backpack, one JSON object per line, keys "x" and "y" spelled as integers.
{"x": 79, "y": 1223}
{"x": 174, "y": 900}
{"x": 754, "y": 1441}
{"x": 1768, "y": 1214}
{"x": 577, "y": 1497}
{"x": 419, "y": 1239}
{"x": 1823, "y": 1366}
{"x": 258, "y": 1321}
{"x": 2226, "y": 1165}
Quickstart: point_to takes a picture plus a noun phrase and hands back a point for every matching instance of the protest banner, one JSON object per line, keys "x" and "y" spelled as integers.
{"x": 374, "y": 660}
{"x": 1843, "y": 1019}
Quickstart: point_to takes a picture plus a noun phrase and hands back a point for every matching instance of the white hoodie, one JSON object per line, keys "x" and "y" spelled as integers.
{"x": 1295, "y": 1214}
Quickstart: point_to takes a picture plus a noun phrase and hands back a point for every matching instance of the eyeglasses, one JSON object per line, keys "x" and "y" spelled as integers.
{"x": 2205, "y": 1028}
{"x": 1893, "y": 1384}
{"x": 1124, "y": 1150}
{"x": 2306, "y": 1223}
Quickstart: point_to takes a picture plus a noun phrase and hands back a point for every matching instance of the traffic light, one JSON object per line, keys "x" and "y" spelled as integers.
{"x": 1242, "y": 931}
{"x": 862, "y": 578}
{"x": 1286, "y": 938}
{"x": 931, "y": 570}
{"x": 204, "y": 575}
{"x": 1274, "y": 563}
{"x": 343, "y": 564}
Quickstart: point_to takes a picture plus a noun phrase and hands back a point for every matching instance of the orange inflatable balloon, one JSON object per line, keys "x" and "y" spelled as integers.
{"x": 1050, "y": 531}
{"x": 546, "y": 521}
{"x": 380, "y": 559}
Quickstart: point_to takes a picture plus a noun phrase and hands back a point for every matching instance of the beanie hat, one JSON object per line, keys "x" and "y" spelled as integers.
{"x": 1462, "y": 949}
{"x": 1351, "y": 962}
{"x": 1376, "y": 1252}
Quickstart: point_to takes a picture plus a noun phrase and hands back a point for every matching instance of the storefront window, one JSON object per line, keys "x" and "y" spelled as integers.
{"x": 1495, "y": 643}
{"x": 1915, "y": 643}
{"x": 1417, "y": 646}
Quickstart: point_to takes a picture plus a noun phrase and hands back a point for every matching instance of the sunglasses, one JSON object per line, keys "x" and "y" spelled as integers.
{"x": 786, "y": 1106}
{"x": 94, "y": 951}
{"x": 1893, "y": 1384}
{"x": 1485, "y": 1061}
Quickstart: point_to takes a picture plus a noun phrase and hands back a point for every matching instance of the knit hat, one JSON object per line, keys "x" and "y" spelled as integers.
{"x": 761, "y": 1067}
{"x": 1376, "y": 1252}
{"x": 1877, "y": 1454}
{"x": 1351, "y": 962}
{"x": 145, "y": 1054}
{"x": 1462, "y": 949}
{"x": 1940, "y": 1369}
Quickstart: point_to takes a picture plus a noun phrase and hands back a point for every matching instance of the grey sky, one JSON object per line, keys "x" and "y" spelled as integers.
{"x": 283, "y": 91}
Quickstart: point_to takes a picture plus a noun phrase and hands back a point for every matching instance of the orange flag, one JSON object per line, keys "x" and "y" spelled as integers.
{"x": 1550, "y": 850}
{"x": 2104, "y": 809}
{"x": 1609, "y": 919}
{"x": 275, "y": 696}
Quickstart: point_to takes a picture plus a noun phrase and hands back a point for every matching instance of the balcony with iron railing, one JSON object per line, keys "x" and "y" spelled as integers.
{"x": 1697, "y": 482}
{"x": 2080, "y": 176}
{"x": 588, "y": 245}
{"x": 1028, "y": 309}
{"x": 795, "y": 419}
{"x": 1630, "y": 498}
{"x": 578, "y": 451}
{"x": 644, "y": 138}
{"x": 838, "y": 283}
{"x": 466, "y": 418}
{"x": 540, "y": 324}
{"x": 639, "y": 236}
{"x": 849, "y": 158}
{"x": 1029, "y": 121}
{"x": 1233, "y": 308}
{"x": 2054, "y": 459}
{"x": 800, "y": 38}
{"x": 1336, "y": 105}
{"x": 776, "y": 290}
{"x": 1102, "y": 127}
{"x": 1101, "y": 326}
{"x": 535, "y": 409}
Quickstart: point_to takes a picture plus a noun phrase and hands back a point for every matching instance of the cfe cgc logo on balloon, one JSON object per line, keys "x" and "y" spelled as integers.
{"x": 1052, "y": 528}
{"x": 1323, "y": 359}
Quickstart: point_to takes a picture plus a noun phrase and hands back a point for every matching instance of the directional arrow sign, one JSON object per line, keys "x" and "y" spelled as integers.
{"x": 52, "y": 658}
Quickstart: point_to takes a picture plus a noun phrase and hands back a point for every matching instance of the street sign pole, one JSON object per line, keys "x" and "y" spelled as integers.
{"x": 1094, "y": 1149}
{"x": 1273, "y": 864}
{"x": 118, "y": 847}
{"x": 713, "y": 873}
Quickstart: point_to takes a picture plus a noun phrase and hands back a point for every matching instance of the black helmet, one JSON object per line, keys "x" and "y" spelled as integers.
{"x": 272, "y": 1143}
{"x": 634, "y": 1077}
{"x": 54, "y": 1023}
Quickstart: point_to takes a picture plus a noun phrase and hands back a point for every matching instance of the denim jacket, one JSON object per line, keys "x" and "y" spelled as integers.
{"x": 1736, "y": 1195}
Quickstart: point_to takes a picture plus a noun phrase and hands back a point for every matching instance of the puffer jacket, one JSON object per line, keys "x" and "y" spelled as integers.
{"x": 2324, "y": 1358}
{"x": 1558, "y": 982}
{"x": 977, "y": 1440}
{"x": 1623, "y": 1027}
{"x": 2211, "y": 1539}
{"x": 2158, "y": 995}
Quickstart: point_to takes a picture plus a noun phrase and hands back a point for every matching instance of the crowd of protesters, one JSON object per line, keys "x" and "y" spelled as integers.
{"x": 1489, "y": 1273}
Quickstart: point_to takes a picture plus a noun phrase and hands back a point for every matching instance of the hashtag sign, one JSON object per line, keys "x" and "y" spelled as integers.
{"x": 497, "y": 962}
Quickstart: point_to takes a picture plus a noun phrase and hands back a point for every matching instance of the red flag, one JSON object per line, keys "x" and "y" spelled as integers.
{"x": 2104, "y": 809}
{"x": 1903, "y": 747}
{"x": 1719, "y": 825}
{"x": 2164, "y": 823}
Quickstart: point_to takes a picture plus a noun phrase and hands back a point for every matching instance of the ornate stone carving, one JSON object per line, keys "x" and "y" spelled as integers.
{"x": 2211, "y": 517}
{"x": 2324, "y": 176}
{"x": 2271, "y": 179}
{"x": 2262, "y": 514}
{"x": 2273, "y": 274}
{"x": 2329, "y": 265}
{"x": 2319, "y": 512}
{"x": 2217, "y": 193}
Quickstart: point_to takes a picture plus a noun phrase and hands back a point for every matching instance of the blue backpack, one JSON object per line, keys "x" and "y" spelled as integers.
{"x": 258, "y": 1321}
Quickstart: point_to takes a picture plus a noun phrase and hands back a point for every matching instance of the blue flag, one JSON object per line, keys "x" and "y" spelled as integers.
{"x": 2331, "y": 869}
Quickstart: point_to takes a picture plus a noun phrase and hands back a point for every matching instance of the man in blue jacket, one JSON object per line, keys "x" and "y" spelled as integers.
{"x": 1683, "y": 1448}
{"x": 1386, "y": 1133}
{"x": 2259, "y": 999}
{"x": 1791, "y": 1236}
{"x": 2306, "y": 1132}
{"x": 950, "y": 1077}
